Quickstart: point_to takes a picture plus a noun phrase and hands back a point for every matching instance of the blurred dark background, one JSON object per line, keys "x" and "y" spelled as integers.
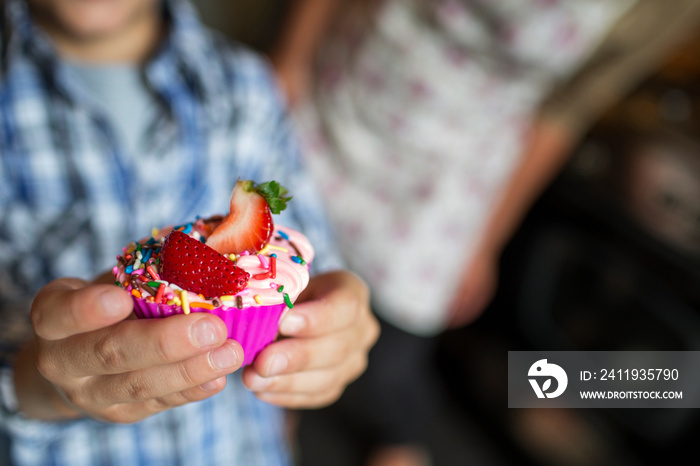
{"x": 607, "y": 259}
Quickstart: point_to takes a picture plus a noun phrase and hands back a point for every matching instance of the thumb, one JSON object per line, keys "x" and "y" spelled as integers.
{"x": 69, "y": 306}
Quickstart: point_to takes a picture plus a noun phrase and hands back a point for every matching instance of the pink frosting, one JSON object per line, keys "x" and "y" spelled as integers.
{"x": 292, "y": 275}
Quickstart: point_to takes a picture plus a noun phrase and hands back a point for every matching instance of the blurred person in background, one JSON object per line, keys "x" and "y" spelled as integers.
{"x": 431, "y": 127}
{"x": 115, "y": 117}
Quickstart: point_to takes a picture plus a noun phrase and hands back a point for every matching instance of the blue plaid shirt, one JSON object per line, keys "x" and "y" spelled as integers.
{"x": 72, "y": 196}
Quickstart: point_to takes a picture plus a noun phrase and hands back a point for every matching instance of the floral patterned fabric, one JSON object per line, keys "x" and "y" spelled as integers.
{"x": 419, "y": 114}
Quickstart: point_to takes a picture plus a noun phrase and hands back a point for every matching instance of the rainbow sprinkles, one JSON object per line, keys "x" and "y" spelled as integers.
{"x": 278, "y": 272}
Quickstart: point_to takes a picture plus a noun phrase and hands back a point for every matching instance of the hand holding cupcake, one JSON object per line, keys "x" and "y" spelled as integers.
{"x": 88, "y": 358}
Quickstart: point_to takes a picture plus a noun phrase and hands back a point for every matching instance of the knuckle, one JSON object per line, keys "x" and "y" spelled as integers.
{"x": 136, "y": 389}
{"x": 164, "y": 403}
{"x": 156, "y": 405}
{"x": 162, "y": 347}
{"x": 188, "y": 396}
{"x": 47, "y": 367}
{"x": 186, "y": 374}
{"x": 109, "y": 353}
{"x": 77, "y": 398}
{"x": 118, "y": 415}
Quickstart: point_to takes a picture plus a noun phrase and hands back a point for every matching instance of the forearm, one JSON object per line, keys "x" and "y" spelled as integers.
{"x": 307, "y": 23}
{"x": 544, "y": 156}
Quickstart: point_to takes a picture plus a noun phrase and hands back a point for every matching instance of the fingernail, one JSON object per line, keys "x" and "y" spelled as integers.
{"x": 224, "y": 357}
{"x": 257, "y": 383}
{"x": 204, "y": 333}
{"x": 278, "y": 363}
{"x": 209, "y": 386}
{"x": 292, "y": 324}
{"x": 111, "y": 304}
{"x": 214, "y": 384}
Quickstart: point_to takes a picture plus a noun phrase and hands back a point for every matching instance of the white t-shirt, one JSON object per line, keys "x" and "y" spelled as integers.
{"x": 119, "y": 92}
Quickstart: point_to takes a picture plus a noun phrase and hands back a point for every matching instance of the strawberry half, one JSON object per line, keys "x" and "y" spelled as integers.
{"x": 249, "y": 226}
{"x": 196, "y": 267}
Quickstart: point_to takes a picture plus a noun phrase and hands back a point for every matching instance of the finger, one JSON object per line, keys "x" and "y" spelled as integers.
{"x": 198, "y": 393}
{"x": 316, "y": 383}
{"x": 68, "y": 307}
{"x": 133, "y": 412}
{"x": 300, "y": 401}
{"x": 134, "y": 344}
{"x": 303, "y": 354}
{"x": 162, "y": 381}
{"x": 311, "y": 382}
{"x": 322, "y": 316}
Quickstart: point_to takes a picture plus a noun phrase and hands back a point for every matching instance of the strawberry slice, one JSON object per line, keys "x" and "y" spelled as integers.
{"x": 249, "y": 226}
{"x": 196, "y": 267}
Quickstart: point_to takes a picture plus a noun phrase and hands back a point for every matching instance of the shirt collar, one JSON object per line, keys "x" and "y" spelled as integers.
{"x": 187, "y": 43}
{"x": 24, "y": 38}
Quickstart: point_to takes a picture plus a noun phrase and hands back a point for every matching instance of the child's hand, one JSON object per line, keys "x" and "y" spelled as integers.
{"x": 88, "y": 360}
{"x": 331, "y": 330}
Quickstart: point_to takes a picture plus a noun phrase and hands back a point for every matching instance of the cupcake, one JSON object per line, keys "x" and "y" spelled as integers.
{"x": 241, "y": 267}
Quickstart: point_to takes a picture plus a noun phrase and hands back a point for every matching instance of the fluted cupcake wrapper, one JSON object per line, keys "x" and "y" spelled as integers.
{"x": 253, "y": 327}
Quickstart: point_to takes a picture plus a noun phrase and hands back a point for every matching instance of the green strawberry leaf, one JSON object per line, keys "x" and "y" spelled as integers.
{"x": 274, "y": 193}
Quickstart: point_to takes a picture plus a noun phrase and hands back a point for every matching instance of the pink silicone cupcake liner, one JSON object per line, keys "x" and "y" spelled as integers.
{"x": 253, "y": 327}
